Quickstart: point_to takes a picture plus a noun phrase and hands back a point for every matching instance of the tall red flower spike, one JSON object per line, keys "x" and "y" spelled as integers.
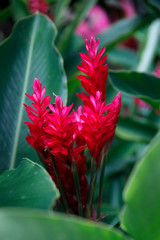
{"x": 93, "y": 65}
{"x": 60, "y": 139}
{"x": 37, "y": 116}
{"x": 36, "y": 127}
{"x": 99, "y": 123}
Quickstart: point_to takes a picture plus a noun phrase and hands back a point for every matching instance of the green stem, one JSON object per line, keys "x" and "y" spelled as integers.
{"x": 92, "y": 187}
{"x": 102, "y": 167}
{"x": 66, "y": 207}
{"x": 77, "y": 188}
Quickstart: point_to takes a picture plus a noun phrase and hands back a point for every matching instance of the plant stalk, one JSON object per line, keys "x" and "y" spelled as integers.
{"x": 102, "y": 167}
{"x": 92, "y": 187}
{"x": 77, "y": 188}
{"x": 65, "y": 203}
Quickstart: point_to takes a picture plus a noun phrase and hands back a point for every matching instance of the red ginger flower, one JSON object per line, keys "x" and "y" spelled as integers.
{"x": 99, "y": 123}
{"x": 37, "y": 116}
{"x": 36, "y": 127}
{"x": 59, "y": 139}
{"x": 55, "y": 130}
{"x": 95, "y": 69}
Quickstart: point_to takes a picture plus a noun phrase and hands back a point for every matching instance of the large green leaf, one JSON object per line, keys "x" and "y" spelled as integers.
{"x": 142, "y": 85}
{"x": 27, "y": 54}
{"x": 38, "y": 225}
{"x": 27, "y": 186}
{"x": 140, "y": 216}
{"x": 118, "y": 32}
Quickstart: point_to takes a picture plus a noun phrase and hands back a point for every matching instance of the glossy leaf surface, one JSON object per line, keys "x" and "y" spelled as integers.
{"x": 41, "y": 225}
{"x": 138, "y": 85}
{"x": 140, "y": 216}
{"x": 26, "y": 54}
{"x": 29, "y": 185}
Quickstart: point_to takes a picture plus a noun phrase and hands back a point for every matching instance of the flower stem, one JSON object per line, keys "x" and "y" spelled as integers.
{"x": 92, "y": 187}
{"x": 102, "y": 167}
{"x": 66, "y": 207}
{"x": 77, "y": 188}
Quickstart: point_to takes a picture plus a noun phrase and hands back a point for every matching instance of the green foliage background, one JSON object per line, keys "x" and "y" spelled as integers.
{"x": 131, "y": 197}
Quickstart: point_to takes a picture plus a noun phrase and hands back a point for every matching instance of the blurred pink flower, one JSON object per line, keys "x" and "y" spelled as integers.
{"x": 128, "y": 8}
{"x": 141, "y": 104}
{"x": 157, "y": 71}
{"x": 96, "y": 22}
{"x": 128, "y": 12}
{"x": 40, "y": 5}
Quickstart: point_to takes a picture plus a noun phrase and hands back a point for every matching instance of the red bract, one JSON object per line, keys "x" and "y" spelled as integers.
{"x": 37, "y": 116}
{"x": 36, "y": 127}
{"x": 59, "y": 139}
{"x": 95, "y": 69}
{"x": 99, "y": 123}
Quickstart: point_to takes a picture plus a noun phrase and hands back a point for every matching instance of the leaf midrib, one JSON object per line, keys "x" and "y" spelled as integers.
{"x": 21, "y": 109}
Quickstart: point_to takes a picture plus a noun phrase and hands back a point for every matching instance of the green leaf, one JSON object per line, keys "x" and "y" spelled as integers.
{"x": 27, "y": 54}
{"x": 131, "y": 130}
{"x": 36, "y": 225}
{"x": 123, "y": 29}
{"x": 121, "y": 155}
{"x": 118, "y": 32}
{"x": 60, "y": 11}
{"x": 149, "y": 50}
{"x": 142, "y": 85}
{"x": 123, "y": 57}
{"x": 81, "y": 10}
{"x": 140, "y": 216}
{"x": 155, "y": 4}
{"x": 19, "y": 9}
{"x": 27, "y": 186}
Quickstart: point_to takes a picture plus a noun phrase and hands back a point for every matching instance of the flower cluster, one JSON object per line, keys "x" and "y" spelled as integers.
{"x": 39, "y": 5}
{"x": 60, "y": 134}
